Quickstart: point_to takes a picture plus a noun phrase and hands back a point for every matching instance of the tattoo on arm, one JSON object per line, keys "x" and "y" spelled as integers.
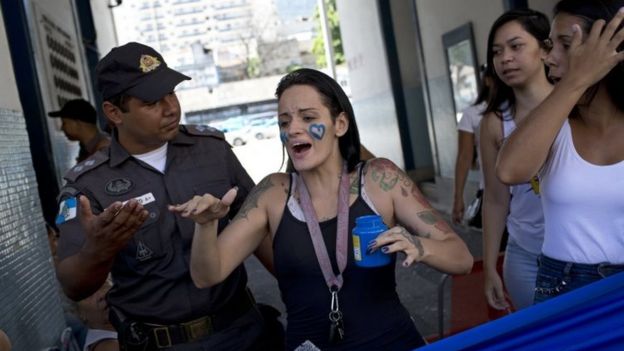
{"x": 388, "y": 175}
{"x": 404, "y": 192}
{"x": 420, "y": 198}
{"x": 412, "y": 239}
{"x": 252, "y": 199}
{"x": 353, "y": 189}
{"x": 431, "y": 217}
{"x": 415, "y": 232}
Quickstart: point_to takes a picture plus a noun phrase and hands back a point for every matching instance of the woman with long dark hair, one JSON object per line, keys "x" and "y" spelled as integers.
{"x": 575, "y": 141}
{"x": 308, "y": 215}
{"x": 515, "y": 53}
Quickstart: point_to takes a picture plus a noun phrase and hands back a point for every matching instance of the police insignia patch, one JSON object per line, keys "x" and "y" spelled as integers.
{"x": 148, "y": 63}
{"x": 143, "y": 252}
{"x": 118, "y": 186}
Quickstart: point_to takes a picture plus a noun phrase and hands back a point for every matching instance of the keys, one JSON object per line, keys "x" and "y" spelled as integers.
{"x": 336, "y": 327}
{"x": 336, "y": 331}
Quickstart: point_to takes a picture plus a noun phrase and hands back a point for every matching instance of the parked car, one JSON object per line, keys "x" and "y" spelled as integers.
{"x": 237, "y": 137}
{"x": 236, "y": 133}
{"x": 264, "y": 128}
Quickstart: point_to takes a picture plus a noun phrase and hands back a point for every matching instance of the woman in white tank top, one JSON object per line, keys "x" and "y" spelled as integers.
{"x": 574, "y": 139}
{"x": 515, "y": 53}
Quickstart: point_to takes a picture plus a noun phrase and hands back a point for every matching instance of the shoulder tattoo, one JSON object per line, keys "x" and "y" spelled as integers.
{"x": 355, "y": 184}
{"x": 251, "y": 201}
{"x": 387, "y": 175}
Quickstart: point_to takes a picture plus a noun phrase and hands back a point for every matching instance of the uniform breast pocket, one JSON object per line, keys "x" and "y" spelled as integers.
{"x": 153, "y": 215}
{"x": 146, "y": 248}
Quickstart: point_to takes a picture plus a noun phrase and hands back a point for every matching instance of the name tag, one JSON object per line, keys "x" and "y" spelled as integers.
{"x": 143, "y": 199}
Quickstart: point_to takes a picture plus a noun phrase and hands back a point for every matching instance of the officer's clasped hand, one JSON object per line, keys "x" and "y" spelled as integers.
{"x": 112, "y": 228}
{"x": 206, "y": 208}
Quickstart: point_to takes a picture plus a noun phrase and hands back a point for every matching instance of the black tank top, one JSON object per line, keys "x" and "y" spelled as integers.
{"x": 374, "y": 318}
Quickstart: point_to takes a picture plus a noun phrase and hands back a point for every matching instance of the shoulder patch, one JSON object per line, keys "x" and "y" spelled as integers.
{"x": 83, "y": 167}
{"x": 67, "y": 210}
{"x": 203, "y": 130}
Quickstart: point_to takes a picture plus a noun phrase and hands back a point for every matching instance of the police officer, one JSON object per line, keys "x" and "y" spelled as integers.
{"x": 113, "y": 215}
{"x": 79, "y": 123}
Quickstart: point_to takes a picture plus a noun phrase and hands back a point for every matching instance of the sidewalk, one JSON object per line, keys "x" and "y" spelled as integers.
{"x": 417, "y": 286}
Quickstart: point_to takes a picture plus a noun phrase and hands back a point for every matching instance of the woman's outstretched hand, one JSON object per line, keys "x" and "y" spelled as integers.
{"x": 207, "y": 208}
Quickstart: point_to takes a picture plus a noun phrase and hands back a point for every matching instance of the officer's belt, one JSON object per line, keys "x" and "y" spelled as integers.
{"x": 164, "y": 336}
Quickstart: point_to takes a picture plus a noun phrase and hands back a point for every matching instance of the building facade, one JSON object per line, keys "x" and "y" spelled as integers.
{"x": 400, "y": 77}
{"x": 400, "y": 83}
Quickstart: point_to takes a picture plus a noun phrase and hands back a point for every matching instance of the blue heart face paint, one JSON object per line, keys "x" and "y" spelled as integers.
{"x": 283, "y": 137}
{"x": 317, "y": 131}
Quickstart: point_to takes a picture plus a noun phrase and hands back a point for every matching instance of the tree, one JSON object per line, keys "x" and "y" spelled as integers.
{"x": 318, "y": 45}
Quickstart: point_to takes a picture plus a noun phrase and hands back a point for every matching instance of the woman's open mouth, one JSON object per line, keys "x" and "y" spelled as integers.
{"x": 300, "y": 148}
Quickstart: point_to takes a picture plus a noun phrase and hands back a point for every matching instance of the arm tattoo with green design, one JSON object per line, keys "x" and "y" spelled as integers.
{"x": 355, "y": 184}
{"x": 251, "y": 201}
{"x": 388, "y": 175}
{"x": 431, "y": 217}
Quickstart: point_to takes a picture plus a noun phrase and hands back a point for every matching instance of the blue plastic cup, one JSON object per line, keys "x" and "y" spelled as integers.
{"x": 367, "y": 228}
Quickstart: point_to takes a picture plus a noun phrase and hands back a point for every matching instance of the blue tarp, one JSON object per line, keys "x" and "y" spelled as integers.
{"x": 589, "y": 318}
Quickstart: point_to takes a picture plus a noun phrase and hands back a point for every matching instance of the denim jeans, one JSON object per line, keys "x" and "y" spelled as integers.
{"x": 556, "y": 277}
{"x": 519, "y": 273}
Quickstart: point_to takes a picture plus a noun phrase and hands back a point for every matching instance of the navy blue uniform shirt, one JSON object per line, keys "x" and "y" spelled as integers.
{"x": 151, "y": 275}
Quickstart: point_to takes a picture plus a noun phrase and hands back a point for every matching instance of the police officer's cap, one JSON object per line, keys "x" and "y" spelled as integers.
{"x": 77, "y": 109}
{"x": 137, "y": 70}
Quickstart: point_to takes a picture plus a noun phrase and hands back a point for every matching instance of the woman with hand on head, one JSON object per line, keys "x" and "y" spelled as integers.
{"x": 574, "y": 141}
{"x": 308, "y": 215}
{"x": 515, "y": 53}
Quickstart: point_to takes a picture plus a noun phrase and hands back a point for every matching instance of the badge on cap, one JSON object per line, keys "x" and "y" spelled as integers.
{"x": 148, "y": 63}
{"x": 118, "y": 186}
{"x": 67, "y": 210}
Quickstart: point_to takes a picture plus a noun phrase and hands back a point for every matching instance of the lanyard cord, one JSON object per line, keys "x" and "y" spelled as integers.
{"x": 333, "y": 282}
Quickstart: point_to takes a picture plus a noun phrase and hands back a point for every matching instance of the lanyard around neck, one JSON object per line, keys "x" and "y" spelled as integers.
{"x": 333, "y": 281}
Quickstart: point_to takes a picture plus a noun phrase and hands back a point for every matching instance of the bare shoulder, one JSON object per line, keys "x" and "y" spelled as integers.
{"x": 385, "y": 174}
{"x": 268, "y": 191}
{"x": 272, "y": 186}
{"x": 491, "y": 126}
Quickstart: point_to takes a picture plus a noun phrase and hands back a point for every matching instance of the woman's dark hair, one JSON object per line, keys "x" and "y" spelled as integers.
{"x": 589, "y": 12}
{"x": 484, "y": 87}
{"x": 536, "y": 24}
{"x": 335, "y": 99}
